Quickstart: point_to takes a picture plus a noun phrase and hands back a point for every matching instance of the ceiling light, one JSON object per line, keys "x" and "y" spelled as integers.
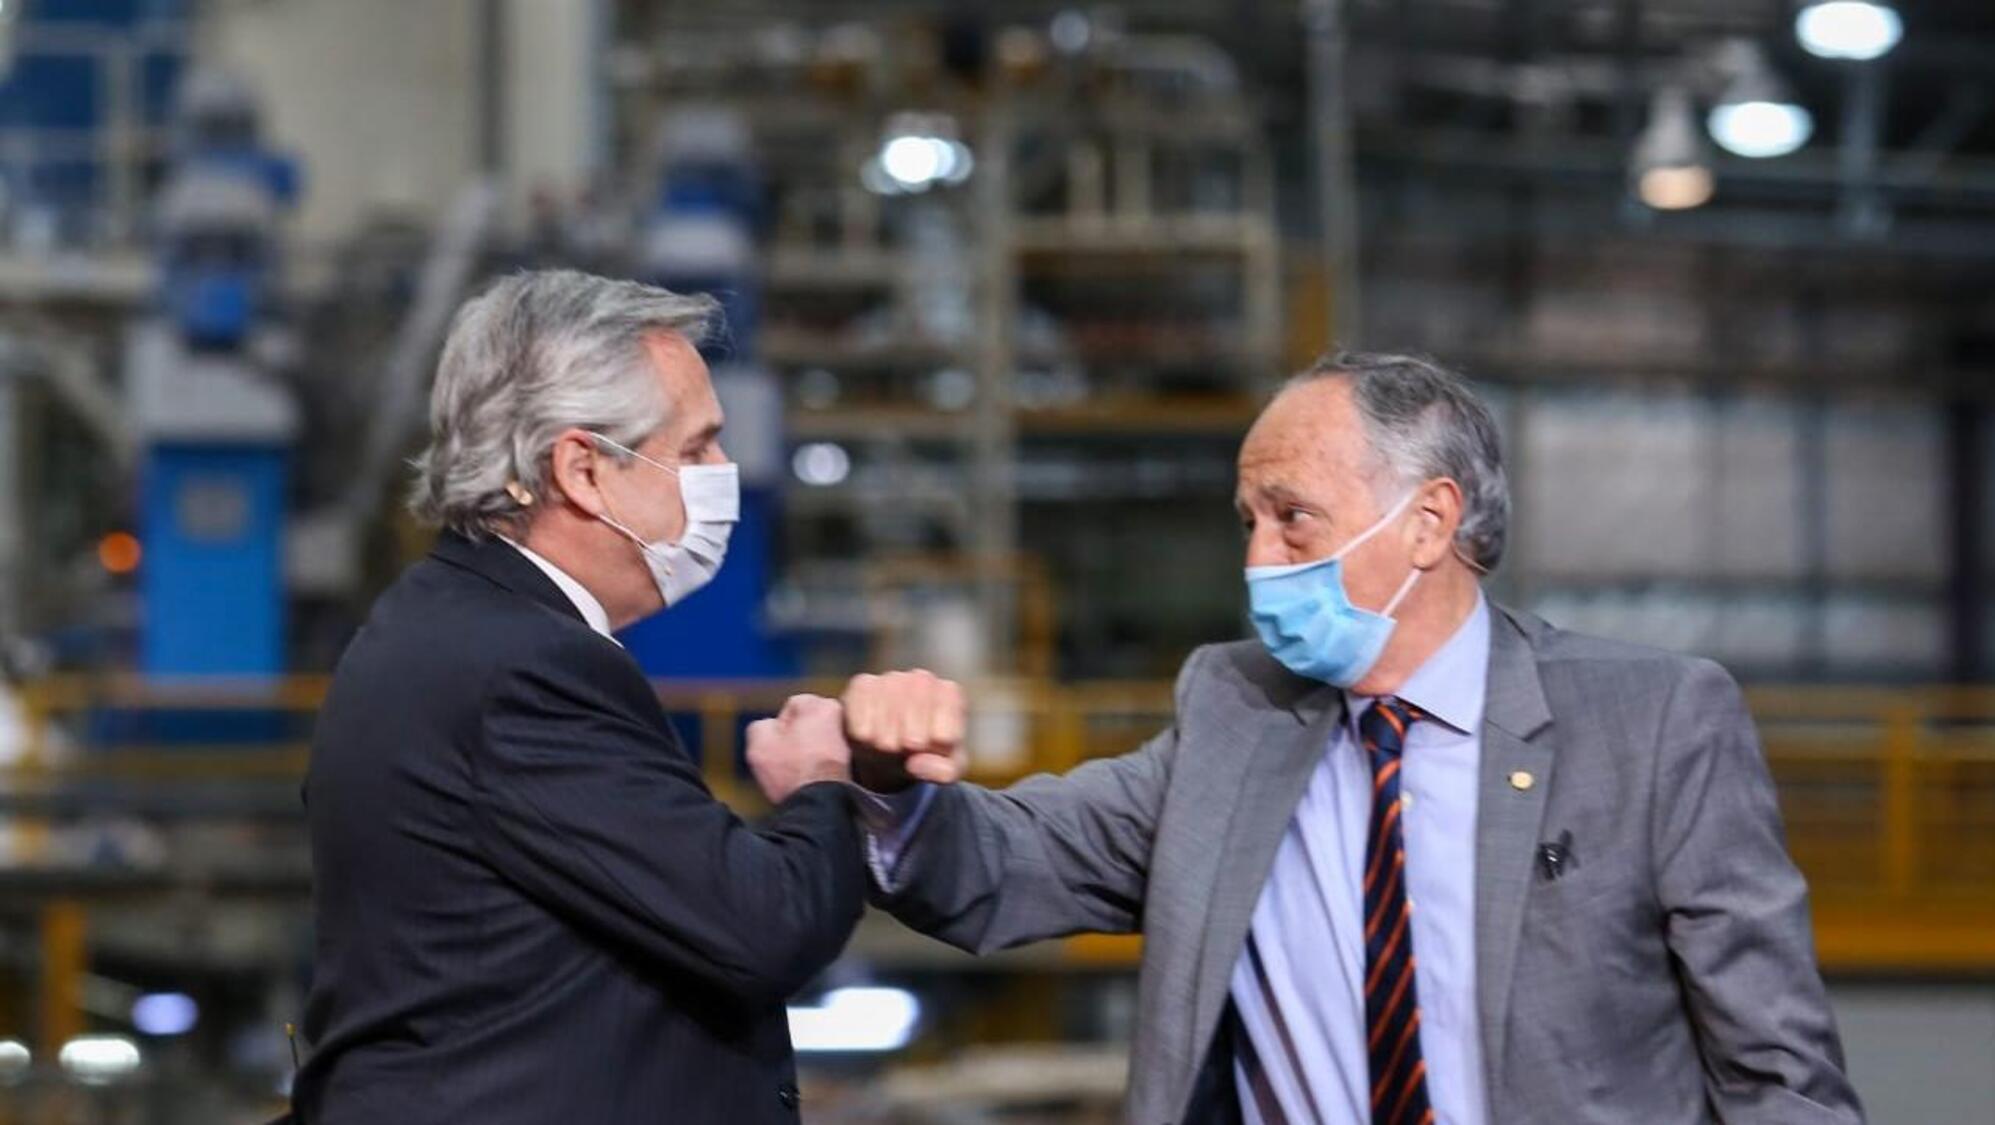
{"x": 919, "y": 151}
{"x": 1848, "y": 29}
{"x": 1757, "y": 115}
{"x": 15, "y": 1059}
{"x": 1668, "y": 166}
{"x": 1761, "y": 129}
{"x": 821, "y": 464}
{"x": 912, "y": 161}
{"x": 97, "y": 1059}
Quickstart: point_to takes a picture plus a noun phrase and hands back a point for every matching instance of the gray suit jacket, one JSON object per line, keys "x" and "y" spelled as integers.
{"x": 1666, "y": 976}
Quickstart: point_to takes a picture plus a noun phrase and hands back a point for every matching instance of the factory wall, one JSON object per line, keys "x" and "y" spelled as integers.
{"x": 392, "y": 121}
{"x": 388, "y": 120}
{"x": 556, "y": 116}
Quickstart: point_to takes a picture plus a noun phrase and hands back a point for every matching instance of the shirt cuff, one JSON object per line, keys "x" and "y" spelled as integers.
{"x": 890, "y": 821}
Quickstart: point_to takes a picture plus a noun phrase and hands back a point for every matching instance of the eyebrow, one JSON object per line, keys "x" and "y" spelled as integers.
{"x": 1273, "y": 493}
{"x": 706, "y": 434}
{"x": 1281, "y": 494}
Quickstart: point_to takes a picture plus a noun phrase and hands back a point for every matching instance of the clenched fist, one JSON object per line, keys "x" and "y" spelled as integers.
{"x": 804, "y": 743}
{"x": 904, "y": 727}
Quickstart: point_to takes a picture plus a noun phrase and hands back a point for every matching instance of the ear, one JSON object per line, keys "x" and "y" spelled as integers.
{"x": 1437, "y": 514}
{"x": 575, "y": 468}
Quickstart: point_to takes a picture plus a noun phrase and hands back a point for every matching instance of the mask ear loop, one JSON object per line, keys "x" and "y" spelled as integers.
{"x": 642, "y": 546}
{"x": 1405, "y": 588}
{"x": 617, "y": 445}
{"x": 1383, "y": 521}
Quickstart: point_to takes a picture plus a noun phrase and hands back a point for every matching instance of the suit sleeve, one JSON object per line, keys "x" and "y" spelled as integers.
{"x": 582, "y": 798}
{"x": 1736, "y": 912}
{"x": 1050, "y": 856}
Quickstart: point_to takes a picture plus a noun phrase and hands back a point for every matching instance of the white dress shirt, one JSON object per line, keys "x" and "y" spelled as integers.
{"x": 585, "y": 603}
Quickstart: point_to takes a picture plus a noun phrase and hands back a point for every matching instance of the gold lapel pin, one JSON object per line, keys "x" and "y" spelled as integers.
{"x": 1521, "y": 780}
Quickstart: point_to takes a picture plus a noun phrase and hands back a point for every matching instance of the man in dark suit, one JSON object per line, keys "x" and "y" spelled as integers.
{"x": 530, "y": 908}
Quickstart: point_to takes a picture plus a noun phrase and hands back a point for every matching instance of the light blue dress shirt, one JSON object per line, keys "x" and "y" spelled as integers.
{"x": 1299, "y": 984}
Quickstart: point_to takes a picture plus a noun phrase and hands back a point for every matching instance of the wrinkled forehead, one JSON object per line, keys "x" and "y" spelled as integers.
{"x": 1309, "y": 436}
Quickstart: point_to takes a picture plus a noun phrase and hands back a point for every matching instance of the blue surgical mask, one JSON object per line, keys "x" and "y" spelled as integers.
{"x": 1306, "y": 618}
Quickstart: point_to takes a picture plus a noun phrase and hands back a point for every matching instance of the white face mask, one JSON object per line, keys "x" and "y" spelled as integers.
{"x": 712, "y": 495}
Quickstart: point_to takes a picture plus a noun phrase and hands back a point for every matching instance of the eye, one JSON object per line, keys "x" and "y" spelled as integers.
{"x": 1290, "y": 514}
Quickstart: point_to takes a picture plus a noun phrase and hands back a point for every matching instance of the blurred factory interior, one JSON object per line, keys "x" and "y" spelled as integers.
{"x": 1005, "y": 283}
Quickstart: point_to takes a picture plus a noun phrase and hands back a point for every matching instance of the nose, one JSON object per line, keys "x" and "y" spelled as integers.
{"x": 1265, "y": 546}
{"x": 715, "y": 455}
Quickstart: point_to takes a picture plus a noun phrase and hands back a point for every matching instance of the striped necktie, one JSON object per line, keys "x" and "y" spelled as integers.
{"x": 1392, "y": 1002}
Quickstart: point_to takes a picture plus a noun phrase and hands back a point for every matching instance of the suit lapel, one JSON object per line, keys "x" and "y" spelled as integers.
{"x": 1515, "y": 776}
{"x": 1289, "y": 746}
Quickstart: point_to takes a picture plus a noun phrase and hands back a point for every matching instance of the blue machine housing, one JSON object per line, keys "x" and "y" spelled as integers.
{"x": 213, "y": 578}
{"x": 217, "y": 425}
{"x": 701, "y": 239}
{"x": 219, "y": 256}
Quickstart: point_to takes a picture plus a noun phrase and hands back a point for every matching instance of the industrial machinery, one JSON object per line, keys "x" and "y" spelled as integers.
{"x": 701, "y": 234}
{"x": 204, "y": 378}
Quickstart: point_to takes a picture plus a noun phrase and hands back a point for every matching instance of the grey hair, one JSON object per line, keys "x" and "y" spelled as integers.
{"x": 1424, "y": 421}
{"x": 537, "y": 353}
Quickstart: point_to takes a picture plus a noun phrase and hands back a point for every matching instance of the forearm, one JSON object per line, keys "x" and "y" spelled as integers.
{"x": 807, "y": 889}
{"x": 1047, "y": 857}
{"x": 991, "y": 870}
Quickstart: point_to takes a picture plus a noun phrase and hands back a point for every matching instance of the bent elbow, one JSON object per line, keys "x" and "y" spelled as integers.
{"x": 780, "y": 964}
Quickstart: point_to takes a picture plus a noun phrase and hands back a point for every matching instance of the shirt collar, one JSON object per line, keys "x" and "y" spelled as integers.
{"x": 1451, "y": 685}
{"x": 585, "y": 603}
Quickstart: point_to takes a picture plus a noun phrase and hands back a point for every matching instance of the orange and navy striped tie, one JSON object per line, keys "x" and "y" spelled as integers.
{"x": 1392, "y": 1000}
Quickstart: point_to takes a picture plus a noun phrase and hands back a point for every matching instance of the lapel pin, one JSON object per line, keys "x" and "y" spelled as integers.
{"x": 1521, "y": 780}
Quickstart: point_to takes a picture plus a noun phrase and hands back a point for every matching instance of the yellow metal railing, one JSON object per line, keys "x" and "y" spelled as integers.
{"x": 1888, "y": 793}
{"x": 1889, "y": 797}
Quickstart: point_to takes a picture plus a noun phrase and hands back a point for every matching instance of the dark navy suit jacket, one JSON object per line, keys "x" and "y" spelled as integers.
{"x": 529, "y": 907}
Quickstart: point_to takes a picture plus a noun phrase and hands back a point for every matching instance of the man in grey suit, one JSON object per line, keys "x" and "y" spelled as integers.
{"x": 1408, "y": 857}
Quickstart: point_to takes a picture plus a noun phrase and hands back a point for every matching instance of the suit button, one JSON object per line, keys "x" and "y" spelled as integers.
{"x": 787, "y": 1094}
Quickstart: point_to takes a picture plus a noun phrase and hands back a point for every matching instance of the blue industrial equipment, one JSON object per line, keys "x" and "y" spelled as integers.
{"x": 218, "y": 218}
{"x": 701, "y": 238}
{"x": 216, "y": 423}
{"x": 72, "y": 72}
